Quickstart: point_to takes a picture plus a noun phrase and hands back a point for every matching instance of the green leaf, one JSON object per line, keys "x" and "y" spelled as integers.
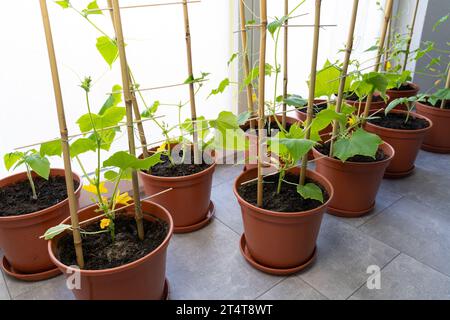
{"x": 310, "y": 191}
{"x": 440, "y": 21}
{"x": 111, "y": 117}
{"x": 297, "y": 148}
{"x": 322, "y": 120}
{"x": 369, "y": 83}
{"x": 201, "y": 124}
{"x": 297, "y": 101}
{"x": 395, "y": 103}
{"x": 327, "y": 80}
{"x": 232, "y": 58}
{"x": 192, "y": 79}
{"x": 225, "y": 120}
{"x": 275, "y": 25}
{"x": 441, "y": 94}
{"x": 12, "y": 158}
{"x": 81, "y": 146}
{"x": 63, "y": 4}
{"x": 113, "y": 100}
{"x": 52, "y": 148}
{"x": 54, "y": 231}
{"x": 108, "y": 49}
{"x": 148, "y": 113}
{"x": 112, "y": 175}
{"x": 38, "y": 164}
{"x": 360, "y": 143}
{"x": 91, "y": 9}
{"x": 372, "y": 48}
{"x": 243, "y": 117}
{"x": 124, "y": 161}
{"x": 222, "y": 86}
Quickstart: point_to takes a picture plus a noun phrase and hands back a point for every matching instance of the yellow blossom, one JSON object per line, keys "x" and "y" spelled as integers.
{"x": 104, "y": 223}
{"x": 388, "y": 65}
{"x": 162, "y": 147}
{"x": 351, "y": 121}
{"x": 123, "y": 198}
{"x": 93, "y": 189}
{"x": 254, "y": 97}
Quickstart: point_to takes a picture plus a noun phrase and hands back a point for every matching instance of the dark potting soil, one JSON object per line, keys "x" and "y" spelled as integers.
{"x": 438, "y": 104}
{"x": 379, "y": 156}
{"x": 273, "y": 126}
{"x": 167, "y": 169}
{"x": 17, "y": 199}
{"x": 353, "y": 97}
{"x": 397, "y": 121}
{"x": 288, "y": 200}
{"x": 404, "y": 87}
{"x": 317, "y": 107}
{"x": 100, "y": 252}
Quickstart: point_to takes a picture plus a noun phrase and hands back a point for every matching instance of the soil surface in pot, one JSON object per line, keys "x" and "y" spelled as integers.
{"x": 273, "y": 126}
{"x": 167, "y": 169}
{"x": 379, "y": 156}
{"x": 438, "y": 104}
{"x": 317, "y": 107}
{"x": 17, "y": 199}
{"x": 100, "y": 252}
{"x": 353, "y": 97}
{"x": 397, "y": 121}
{"x": 404, "y": 87}
{"x": 288, "y": 200}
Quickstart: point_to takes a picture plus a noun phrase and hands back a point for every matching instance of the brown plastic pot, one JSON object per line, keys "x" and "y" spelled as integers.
{"x": 355, "y": 184}
{"x": 437, "y": 138}
{"x": 189, "y": 200}
{"x": 250, "y": 155}
{"x": 143, "y": 279}
{"x": 395, "y": 94}
{"x": 281, "y": 240}
{"x": 406, "y": 144}
{"x": 374, "y": 106}
{"x": 19, "y": 235}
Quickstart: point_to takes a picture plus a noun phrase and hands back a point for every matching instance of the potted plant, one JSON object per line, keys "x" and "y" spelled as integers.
{"x": 30, "y": 203}
{"x": 282, "y": 210}
{"x": 353, "y": 160}
{"x": 404, "y": 131}
{"x": 124, "y": 256}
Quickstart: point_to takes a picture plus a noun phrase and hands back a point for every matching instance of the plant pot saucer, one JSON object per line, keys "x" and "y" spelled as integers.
{"x": 434, "y": 149}
{"x": 398, "y": 175}
{"x": 349, "y": 214}
{"x": 269, "y": 270}
{"x": 39, "y": 276}
{"x": 199, "y": 225}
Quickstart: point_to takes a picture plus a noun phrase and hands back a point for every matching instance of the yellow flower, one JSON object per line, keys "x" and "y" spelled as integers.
{"x": 93, "y": 189}
{"x": 254, "y": 98}
{"x": 351, "y": 121}
{"x": 104, "y": 223}
{"x": 388, "y": 65}
{"x": 123, "y": 198}
{"x": 162, "y": 147}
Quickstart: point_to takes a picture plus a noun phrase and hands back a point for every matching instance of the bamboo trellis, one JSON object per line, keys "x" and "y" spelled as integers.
{"x": 348, "y": 52}
{"x": 73, "y": 203}
{"x": 387, "y": 18}
{"x": 312, "y": 86}
{"x": 411, "y": 32}
{"x": 285, "y": 63}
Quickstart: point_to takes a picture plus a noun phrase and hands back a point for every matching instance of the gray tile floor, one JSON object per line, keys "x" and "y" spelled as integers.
{"x": 407, "y": 236}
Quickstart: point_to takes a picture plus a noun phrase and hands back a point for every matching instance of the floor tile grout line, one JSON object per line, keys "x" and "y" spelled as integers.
{"x": 316, "y": 289}
{"x": 381, "y": 211}
{"x": 217, "y": 218}
{"x": 271, "y": 287}
{"x": 382, "y": 268}
{"x": 427, "y": 265}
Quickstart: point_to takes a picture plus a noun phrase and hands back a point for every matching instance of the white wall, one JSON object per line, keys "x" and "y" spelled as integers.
{"x": 156, "y": 53}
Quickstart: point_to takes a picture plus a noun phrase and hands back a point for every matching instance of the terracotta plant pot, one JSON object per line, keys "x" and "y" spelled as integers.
{"x": 251, "y": 154}
{"x": 189, "y": 200}
{"x": 437, "y": 138}
{"x": 280, "y": 242}
{"x": 374, "y": 106}
{"x": 406, "y": 144}
{"x": 143, "y": 279}
{"x": 395, "y": 94}
{"x": 355, "y": 184}
{"x": 25, "y": 253}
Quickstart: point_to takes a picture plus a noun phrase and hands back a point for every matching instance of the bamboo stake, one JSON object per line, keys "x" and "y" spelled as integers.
{"x": 246, "y": 62}
{"x": 387, "y": 18}
{"x": 142, "y": 5}
{"x": 388, "y": 42}
{"x": 447, "y": 86}
{"x": 312, "y": 87}
{"x": 137, "y": 114}
{"x": 129, "y": 113}
{"x": 197, "y": 159}
{"x": 411, "y": 32}
{"x": 285, "y": 71}
{"x": 73, "y": 203}
{"x": 261, "y": 96}
{"x": 348, "y": 52}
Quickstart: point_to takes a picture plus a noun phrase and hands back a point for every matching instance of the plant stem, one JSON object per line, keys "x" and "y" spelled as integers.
{"x": 30, "y": 179}
{"x": 280, "y": 180}
{"x": 447, "y": 86}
